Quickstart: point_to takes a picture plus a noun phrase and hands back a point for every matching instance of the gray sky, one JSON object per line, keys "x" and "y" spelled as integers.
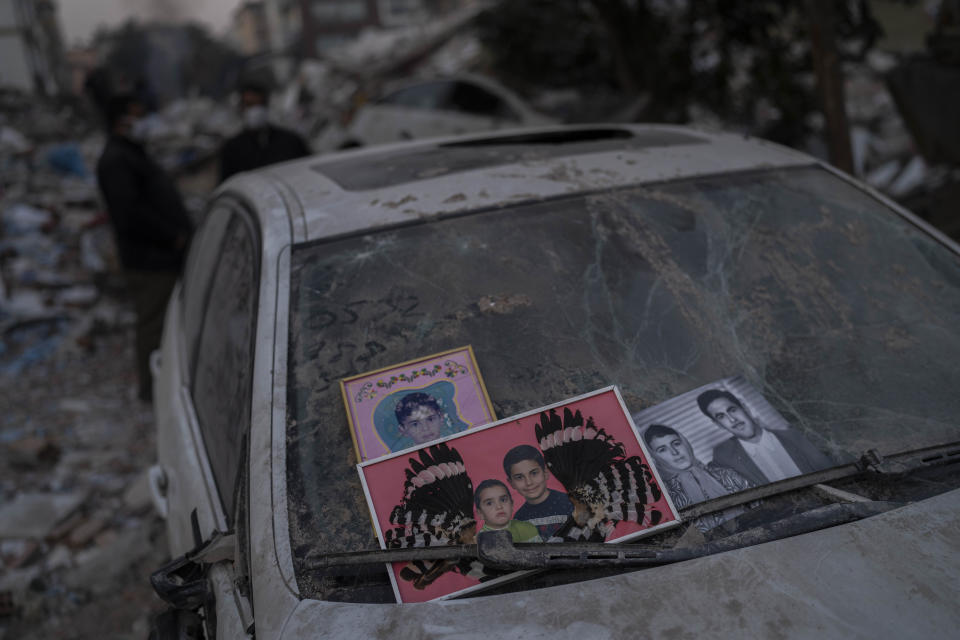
{"x": 79, "y": 18}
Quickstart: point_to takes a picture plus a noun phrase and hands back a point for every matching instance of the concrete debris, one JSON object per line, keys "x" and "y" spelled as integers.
{"x": 14, "y": 583}
{"x": 78, "y": 296}
{"x": 910, "y": 178}
{"x": 33, "y": 452}
{"x": 12, "y": 141}
{"x": 74, "y": 405}
{"x": 95, "y": 250}
{"x": 382, "y": 51}
{"x": 883, "y": 175}
{"x": 137, "y": 497}
{"x": 22, "y": 218}
{"x": 73, "y": 439}
{"x": 98, "y": 567}
{"x": 59, "y": 558}
{"x": 66, "y": 526}
{"x": 19, "y": 553}
{"x": 34, "y": 515}
{"x": 86, "y": 531}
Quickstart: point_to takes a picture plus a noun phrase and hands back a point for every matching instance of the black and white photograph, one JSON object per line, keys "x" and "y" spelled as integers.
{"x": 722, "y": 438}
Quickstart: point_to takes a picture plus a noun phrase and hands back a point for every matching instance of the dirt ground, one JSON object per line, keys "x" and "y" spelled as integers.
{"x": 72, "y": 427}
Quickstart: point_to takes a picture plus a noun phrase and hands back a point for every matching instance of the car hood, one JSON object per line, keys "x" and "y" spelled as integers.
{"x": 893, "y": 574}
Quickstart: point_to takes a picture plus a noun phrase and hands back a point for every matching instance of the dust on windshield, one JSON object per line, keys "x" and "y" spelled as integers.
{"x": 841, "y": 313}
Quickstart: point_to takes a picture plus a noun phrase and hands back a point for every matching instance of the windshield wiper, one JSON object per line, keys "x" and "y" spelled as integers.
{"x": 871, "y": 462}
{"x": 496, "y": 549}
{"x": 499, "y": 551}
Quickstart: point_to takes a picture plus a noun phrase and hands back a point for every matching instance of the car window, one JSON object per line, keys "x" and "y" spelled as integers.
{"x": 475, "y": 100}
{"x": 221, "y": 380}
{"x": 198, "y": 270}
{"x": 842, "y": 313}
{"x": 431, "y": 95}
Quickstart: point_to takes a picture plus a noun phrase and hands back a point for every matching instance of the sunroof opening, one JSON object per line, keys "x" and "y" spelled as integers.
{"x": 398, "y": 166}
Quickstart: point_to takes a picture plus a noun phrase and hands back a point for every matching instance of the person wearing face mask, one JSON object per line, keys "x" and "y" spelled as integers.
{"x": 689, "y": 480}
{"x": 260, "y": 143}
{"x": 150, "y": 223}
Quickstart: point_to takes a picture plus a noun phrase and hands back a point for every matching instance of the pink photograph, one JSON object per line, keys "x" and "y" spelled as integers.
{"x": 415, "y": 402}
{"x": 572, "y": 471}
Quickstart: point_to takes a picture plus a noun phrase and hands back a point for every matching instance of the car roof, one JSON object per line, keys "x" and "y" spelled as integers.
{"x": 346, "y": 192}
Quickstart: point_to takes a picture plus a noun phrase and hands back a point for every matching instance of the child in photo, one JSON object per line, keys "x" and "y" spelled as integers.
{"x": 420, "y": 418}
{"x": 544, "y": 508}
{"x": 495, "y": 506}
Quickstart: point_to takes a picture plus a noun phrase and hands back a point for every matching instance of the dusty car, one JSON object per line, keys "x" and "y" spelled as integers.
{"x": 570, "y": 258}
{"x": 437, "y": 107}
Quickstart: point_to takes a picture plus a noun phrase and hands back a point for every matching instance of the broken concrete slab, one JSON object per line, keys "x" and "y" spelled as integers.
{"x": 97, "y": 567}
{"x": 137, "y": 497}
{"x": 33, "y": 452}
{"x": 34, "y": 515}
{"x": 78, "y": 296}
{"x": 87, "y": 530}
{"x": 59, "y": 558}
{"x": 17, "y": 554}
{"x": 65, "y": 526}
{"x": 26, "y": 555}
{"x": 75, "y": 405}
{"x": 22, "y": 219}
{"x": 17, "y": 581}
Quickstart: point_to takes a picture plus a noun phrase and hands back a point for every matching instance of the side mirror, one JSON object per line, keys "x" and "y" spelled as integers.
{"x": 182, "y": 582}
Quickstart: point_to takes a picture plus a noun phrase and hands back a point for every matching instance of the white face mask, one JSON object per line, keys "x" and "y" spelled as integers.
{"x": 255, "y": 117}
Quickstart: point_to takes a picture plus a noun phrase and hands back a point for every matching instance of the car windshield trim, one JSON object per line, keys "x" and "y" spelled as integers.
{"x": 553, "y": 198}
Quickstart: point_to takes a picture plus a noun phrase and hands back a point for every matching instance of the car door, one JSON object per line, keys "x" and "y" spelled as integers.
{"x": 204, "y": 400}
{"x": 208, "y": 353}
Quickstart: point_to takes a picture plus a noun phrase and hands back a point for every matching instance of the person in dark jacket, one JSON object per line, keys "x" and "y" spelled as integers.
{"x": 260, "y": 143}
{"x": 150, "y": 223}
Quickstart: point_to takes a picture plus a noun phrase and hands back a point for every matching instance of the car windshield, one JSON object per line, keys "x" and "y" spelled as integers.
{"x": 842, "y": 313}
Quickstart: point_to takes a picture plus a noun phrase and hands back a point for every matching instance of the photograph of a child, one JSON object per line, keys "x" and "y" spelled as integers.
{"x": 415, "y": 402}
{"x": 722, "y": 438}
{"x": 408, "y": 418}
{"x": 545, "y": 508}
{"x": 495, "y": 507}
{"x": 572, "y": 471}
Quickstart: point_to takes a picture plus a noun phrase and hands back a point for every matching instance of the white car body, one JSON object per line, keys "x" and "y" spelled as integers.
{"x": 853, "y": 580}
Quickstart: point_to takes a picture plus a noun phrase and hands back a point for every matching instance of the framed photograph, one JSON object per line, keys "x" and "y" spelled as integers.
{"x": 722, "y": 438}
{"x": 576, "y": 470}
{"x": 414, "y": 402}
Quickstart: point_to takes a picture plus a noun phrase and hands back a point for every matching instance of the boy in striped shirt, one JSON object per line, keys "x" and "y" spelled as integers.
{"x": 544, "y": 508}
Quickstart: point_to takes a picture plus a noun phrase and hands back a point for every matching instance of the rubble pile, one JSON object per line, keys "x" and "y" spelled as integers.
{"x": 78, "y": 537}
{"x": 885, "y": 154}
{"x": 321, "y": 96}
{"x": 189, "y": 131}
